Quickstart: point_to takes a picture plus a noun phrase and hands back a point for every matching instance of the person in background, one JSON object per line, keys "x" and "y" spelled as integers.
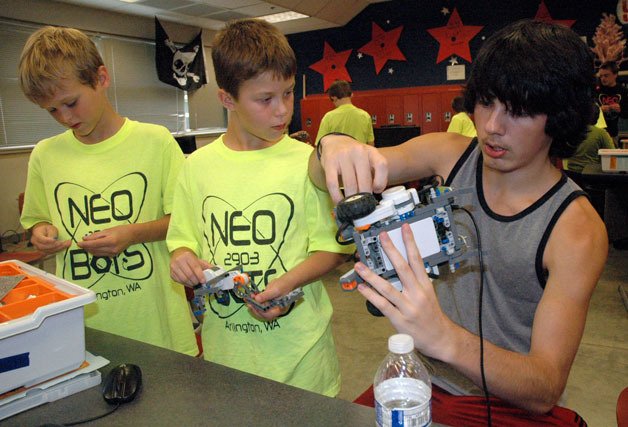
{"x": 246, "y": 200}
{"x": 587, "y": 154}
{"x": 587, "y": 151}
{"x": 345, "y": 117}
{"x": 543, "y": 245}
{"x": 612, "y": 98}
{"x": 99, "y": 195}
{"x": 461, "y": 122}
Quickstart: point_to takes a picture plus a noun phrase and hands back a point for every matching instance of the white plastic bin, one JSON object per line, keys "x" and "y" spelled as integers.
{"x": 614, "y": 160}
{"x": 42, "y": 332}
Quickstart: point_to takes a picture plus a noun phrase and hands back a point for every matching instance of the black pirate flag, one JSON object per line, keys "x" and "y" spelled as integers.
{"x": 183, "y": 68}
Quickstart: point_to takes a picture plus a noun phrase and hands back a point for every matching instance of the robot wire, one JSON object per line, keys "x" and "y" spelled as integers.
{"x": 481, "y": 293}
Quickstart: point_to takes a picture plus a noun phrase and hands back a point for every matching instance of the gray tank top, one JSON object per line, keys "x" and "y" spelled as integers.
{"x": 514, "y": 278}
{"x": 513, "y": 246}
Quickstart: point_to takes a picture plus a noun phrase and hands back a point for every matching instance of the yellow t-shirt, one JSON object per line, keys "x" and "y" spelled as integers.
{"x": 601, "y": 122}
{"x": 258, "y": 209}
{"x": 128, "y": 178}
{"x": 461, "y": 123}
{"x": 349, "y": 120}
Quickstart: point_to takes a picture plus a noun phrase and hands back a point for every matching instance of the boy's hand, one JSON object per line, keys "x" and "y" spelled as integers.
{"x": 361, "y": 166}
{"x": 415, "y": 311}
{"x": 186, "y": 268}
{"x": 45, "y": 238}
{"x": 109, "y": 242}
{"x": 274, "y": 289}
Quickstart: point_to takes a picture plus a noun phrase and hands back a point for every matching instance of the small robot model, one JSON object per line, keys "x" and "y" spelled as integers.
{"x": 361, "y": 219}
{"x": 221, "y": 282}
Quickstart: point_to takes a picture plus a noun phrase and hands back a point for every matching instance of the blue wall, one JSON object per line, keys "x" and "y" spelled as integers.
{"x": 417, "y": 45}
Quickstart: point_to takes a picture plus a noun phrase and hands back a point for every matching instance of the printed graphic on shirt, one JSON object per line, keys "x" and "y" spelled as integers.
{"x": 606, "y": 99}
{"x": 250, "y": 236}
{"x": 84, "y": 211}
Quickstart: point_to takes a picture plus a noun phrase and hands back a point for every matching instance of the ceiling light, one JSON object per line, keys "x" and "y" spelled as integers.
{"x": 131, "y": 1}
{"x": 283, "y": 16}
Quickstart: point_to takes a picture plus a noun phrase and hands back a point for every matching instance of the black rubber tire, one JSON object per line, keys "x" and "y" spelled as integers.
{"x": 355, "y": 206}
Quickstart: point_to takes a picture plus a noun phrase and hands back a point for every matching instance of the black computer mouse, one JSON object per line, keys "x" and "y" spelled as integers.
{"x": 122, "y": 384}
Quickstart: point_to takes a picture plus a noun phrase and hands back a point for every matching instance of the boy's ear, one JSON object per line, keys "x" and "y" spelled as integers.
{"x": 226, "y": 99}
{"x": 103, "y": 76}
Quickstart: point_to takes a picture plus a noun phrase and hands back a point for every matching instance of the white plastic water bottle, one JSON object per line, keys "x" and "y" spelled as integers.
{"x": 403, "y": 390}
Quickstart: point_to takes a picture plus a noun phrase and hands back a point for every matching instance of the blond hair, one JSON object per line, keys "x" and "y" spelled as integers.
{"x": 53, "y": 53}
{"x": 246, "y": 48}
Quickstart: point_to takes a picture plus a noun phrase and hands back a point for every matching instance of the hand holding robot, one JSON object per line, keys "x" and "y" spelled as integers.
{"x": 221, "y": 282}
{"x": 429, "y": 215}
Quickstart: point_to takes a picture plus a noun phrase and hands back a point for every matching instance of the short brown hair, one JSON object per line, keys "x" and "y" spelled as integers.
{"x": 457, "y": 104}
{"x": 53, "y": 53}
{"x": 610, "y": 66}
{"x": 246, "y": 48}
{"x": 340, "y": 89}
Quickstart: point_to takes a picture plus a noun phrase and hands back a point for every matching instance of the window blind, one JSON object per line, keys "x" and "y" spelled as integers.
{"x": 135, "y": 91}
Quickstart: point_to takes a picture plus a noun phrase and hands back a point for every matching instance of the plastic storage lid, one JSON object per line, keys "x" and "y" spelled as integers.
{"x": 400, "y": 343}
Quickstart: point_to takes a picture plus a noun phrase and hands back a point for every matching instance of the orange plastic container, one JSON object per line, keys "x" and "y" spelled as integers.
{"x": 31, "y": 293}
{"x": 42, "y": 331}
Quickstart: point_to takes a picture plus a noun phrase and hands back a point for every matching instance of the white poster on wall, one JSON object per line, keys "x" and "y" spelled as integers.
{"x": 456, "y": 72}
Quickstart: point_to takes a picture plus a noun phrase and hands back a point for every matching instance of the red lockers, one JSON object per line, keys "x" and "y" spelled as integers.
{"x": 312, "y": 113}
{"x": 428, "y": 107}
{"x": 411, "y": 110}
{"x": 431, "y": 107}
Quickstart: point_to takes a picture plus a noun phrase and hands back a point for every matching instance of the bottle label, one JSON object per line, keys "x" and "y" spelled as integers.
{"x": 403, "y": 402}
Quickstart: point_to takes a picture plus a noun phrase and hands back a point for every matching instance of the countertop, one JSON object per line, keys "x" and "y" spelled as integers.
{"x": 593, "y": 174}
{"x": 183, "y": 390}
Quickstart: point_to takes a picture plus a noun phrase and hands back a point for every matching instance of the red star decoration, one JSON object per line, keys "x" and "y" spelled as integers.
{"x": 332, "y": 66}
{"x": 454, "y": 38}
{"x": 383, "y": 46}
{"x": 543, "y": 15}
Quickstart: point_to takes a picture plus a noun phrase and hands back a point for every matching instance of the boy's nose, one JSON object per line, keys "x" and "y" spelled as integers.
{"x": 66, "y": 116}
{"x": 283, "y": 108}
{"x": 495, "y": 121}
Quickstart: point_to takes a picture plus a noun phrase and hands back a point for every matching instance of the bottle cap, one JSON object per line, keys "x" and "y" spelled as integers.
{"x": 400, "y": 343}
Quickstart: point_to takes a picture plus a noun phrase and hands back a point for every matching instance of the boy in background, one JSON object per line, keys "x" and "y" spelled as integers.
{"x": 246, "y": 200}
{"x": 461, "y": 122}
{"x": 345, "y": 117}
{"x": 98, "y": 195}
{"x": 587, "y": 151}
{"x": 612, "y": 98}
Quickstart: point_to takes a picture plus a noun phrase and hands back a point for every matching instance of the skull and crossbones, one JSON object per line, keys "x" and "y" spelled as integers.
{"x": 181, "y": 62}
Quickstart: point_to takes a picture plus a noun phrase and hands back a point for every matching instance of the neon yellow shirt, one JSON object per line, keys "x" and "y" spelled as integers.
{"x": 601, "y": 122}
{"x": 128, "y": 178}
{"x": 461, "y": 123}
{"x": 258, "y": 209}
{"x": 347, "y": 119}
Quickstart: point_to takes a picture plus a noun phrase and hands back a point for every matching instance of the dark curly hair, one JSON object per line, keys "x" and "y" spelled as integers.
{"x": 534, "y": 68}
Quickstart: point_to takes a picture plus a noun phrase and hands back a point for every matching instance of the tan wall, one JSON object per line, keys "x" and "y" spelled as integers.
{"x": 13, "y": 180}
{"x": 205, "y": 111}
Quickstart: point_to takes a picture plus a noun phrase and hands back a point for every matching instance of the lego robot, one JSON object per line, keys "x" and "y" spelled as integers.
{"x": 361, "y": 219}
{"x": 221, "y": 282}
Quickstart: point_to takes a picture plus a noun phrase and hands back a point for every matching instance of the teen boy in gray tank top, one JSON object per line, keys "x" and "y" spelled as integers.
{"x": 514, "y": 279}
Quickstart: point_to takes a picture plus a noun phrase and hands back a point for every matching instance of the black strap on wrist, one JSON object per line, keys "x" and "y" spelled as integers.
{"x": 319, "y": 147}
